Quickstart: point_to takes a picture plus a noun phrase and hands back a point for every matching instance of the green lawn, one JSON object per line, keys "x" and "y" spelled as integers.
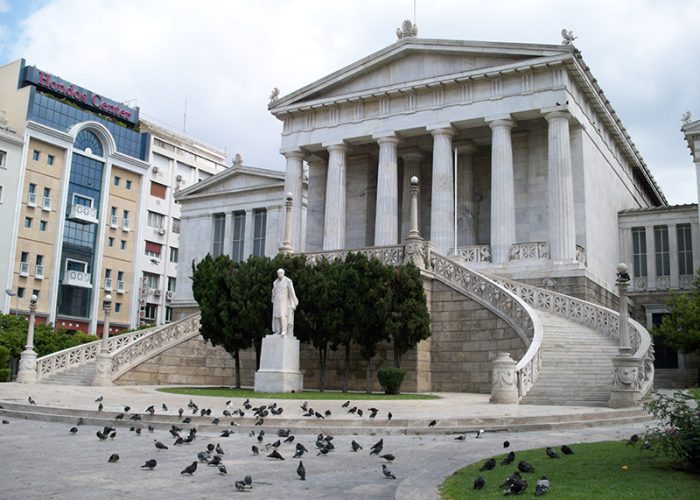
{"x": 611, "y": 470}
{"x": 226, "y": 392}
{"x": 695, "y": 392}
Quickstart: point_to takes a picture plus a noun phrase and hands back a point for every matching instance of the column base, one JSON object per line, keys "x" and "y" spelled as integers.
{"x": 103, "y": 370}
{"x": 279, "y": 365}
{"x": 27, "y": 368}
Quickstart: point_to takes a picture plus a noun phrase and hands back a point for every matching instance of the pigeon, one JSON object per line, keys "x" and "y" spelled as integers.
{"x": 432, "y": 423}
{"x": 99, "y": 407}
{"x": 186, "y": 420}
{"x": 377, "y": 450}
{"x": 31, "y": 401}
{"x": 178, "y": 441}
{"x": 99, "y": 399}
{"x": 165, "y": 407}
{"x": 276, "y": 455}
{"x": 301, "y": 471}
{"x": 542, "y": 486}
{"x": 227, "y": 413}
{"x": 551, "y": 453}
{"x": 283, "y": 433}
{"x": 479, "y": 433}
{"x": 346, "y": 404}
{"x": 566, "y": 450}
{"x": 353, "y": 409}
{"x": 276, "y": 444}
{"x": 101, "y": 436}
{"x": 300, "y": 450}
{"x": 180, "y": 411}
{"x": 378, "y": 444}
{"x": 215, "y": 461}
{"x": 160, "y": 445}
{"x": 190, "y": 469}
{"x": 203, "y": 456}
{"x": 151, "y": 428}
{"x": 80, "y": 421}
{"x": 119, "y": 417}
{"x": 151, "y": 409}
{"x": 240, "y": 485}
{"x": 523, "y": 466}
{"x": 73, "y": 430}
{"x": 387, "y": 473}
{"x": 634, "y": 438}
{"x": 222, "y": 469}
{"x": 255, "y": 450}
{"x": 113, "y": 458}
{"x": 127, "y": 408}
{"x": 289, "y": 439}
{"x": 150, "y": 464}
{"x": 112, "y": 434}
{"x": 138, "y": 431}
{"x": 5, "y": 421}
{"x": 488, "y": 465}
{"x": 515, "y": 476}
{"x": 461, "y": 437}
{"x": 388, "y": 457}
{"x": 517, "y": 488}
{"x": 479, "y": 483}
{"x": 219, "y": 449}
{"x": 506, "y": 444}
{"x": 136, "y": 416}
{"x": 355, "y": 445}
{"x": 389, "y": 416}
{"x": 359, "y": 413}
{"x": 509, "y": 458}
{"x": 225, "y": 434}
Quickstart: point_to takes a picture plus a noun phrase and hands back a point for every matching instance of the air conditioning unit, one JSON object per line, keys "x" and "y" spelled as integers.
{"x": 155, "y": 169}
{"x": 161, "y": 231}
{"x": 178, "y": 178}
{"x": 169, "y": 295}
{"x": 157, "y": 292}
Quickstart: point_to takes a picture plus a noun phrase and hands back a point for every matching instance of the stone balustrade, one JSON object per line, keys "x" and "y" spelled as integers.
{"x": 475, "y": 253}
{"x": 390, "y": 255}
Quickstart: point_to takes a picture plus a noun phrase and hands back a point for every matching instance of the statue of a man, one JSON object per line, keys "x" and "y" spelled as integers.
{"x": 284, "y": 302}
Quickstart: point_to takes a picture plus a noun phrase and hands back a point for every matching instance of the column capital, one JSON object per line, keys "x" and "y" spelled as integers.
{"x": 467, "y": 146}
{"x": 293, "y": 154}
{"x": 504, "y": 120}
{"x": 441, "y": 129}
{"x": 386, "y": 138}
{"x": 336, "y": 146}
{"x": 556, "y": 112}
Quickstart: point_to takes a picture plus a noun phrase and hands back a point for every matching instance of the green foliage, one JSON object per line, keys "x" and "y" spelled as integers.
{"x": 601, "y": 471}
{"x": 391, "y": 379}
{"x": 678, "y": 435}
{"x": 230, "y": 393}
{"x": 4, "y": 360}
{"x": 681, "y": 328}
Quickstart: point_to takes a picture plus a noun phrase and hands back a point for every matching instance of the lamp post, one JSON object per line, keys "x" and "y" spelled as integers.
{"x": 625, "y": 391}
{"x": 11, "y": 293}
{"x": 414, "y": 251}
{"x": 623, "y": 279}
{"x": 27, "y": 361}
{"x": 103, "y": 362}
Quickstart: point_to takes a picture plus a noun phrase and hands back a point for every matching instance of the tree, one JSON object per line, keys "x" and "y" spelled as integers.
{"x": 681, "y": 328}
{"x": 408, "y": 320}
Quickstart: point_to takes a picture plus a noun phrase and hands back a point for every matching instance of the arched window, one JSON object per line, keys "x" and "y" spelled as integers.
{"x": 87, "y": 141}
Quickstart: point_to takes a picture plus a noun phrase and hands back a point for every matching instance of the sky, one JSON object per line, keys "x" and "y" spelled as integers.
{"x": 216, "y": 62}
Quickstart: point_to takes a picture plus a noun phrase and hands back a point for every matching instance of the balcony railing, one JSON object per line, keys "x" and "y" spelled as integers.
{"x": 113, "y": 221}
{"x": 108, "y": 284}
{"x": 120, "y": 286}
{"x": 84, "y": 214}
{"x": 31, "y": 199}
{"x": 24, "y": 268}
{"x": 78, "y": 278}
{"x": 125, "y": 224}
{"x": 39, "y": 272}
{"x": 46, "y": 203}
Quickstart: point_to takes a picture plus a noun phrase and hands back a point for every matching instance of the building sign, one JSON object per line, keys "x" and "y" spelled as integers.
{"x": 84, "y": 97}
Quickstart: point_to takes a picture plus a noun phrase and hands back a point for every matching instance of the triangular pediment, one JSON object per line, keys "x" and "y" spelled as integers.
{"x": 409, "y": 62}
{"x": 235, "y": 179}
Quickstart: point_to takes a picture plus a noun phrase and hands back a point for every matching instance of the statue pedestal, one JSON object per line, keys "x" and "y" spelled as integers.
{"x": 279, "y": 365}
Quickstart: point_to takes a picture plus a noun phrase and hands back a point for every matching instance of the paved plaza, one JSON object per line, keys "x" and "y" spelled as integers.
{"x": 42, "y": 459}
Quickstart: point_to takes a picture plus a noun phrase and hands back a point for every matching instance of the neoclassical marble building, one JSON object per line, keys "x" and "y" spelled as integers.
{"x": 523, "y": 163}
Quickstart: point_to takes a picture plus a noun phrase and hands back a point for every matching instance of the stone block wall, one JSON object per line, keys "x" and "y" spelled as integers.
{"x": 466, "y": 339}
{"x": 580, "y": 287}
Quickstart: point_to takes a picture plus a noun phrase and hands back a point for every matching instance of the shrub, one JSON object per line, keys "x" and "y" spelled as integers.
{"x": 4, "y": 359}
{"x": 390, "y": 379}
{"x": 678, "y": 435}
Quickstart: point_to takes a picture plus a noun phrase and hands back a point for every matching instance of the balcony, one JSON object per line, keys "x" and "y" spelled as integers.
{"x": 46, "y": 203}
{"x": 120, "y": 286}
{"x": 108, "y": 284}
{"x": 39, "y": 272}
{"x": 83, "y": 214}
{"x": 113, "y": 221}
{"x": 125, "y": 224}
{"x": 31, "y": 200}
{"x": 77, "y": 278}
{"x": 24, "y": 268}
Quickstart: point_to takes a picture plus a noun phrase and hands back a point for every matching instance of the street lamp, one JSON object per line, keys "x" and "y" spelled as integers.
{"x": 103, "y": 362}
{"x": 12, "y": 293}
{"x": 27, "y": 361}
{"x": 624, "y": 392}
{"x": 623, "y": 279}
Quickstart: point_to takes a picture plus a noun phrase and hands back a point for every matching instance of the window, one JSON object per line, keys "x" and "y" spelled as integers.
{"x": 35, "y": 155}
{"x": 639, "y": 251}
{"x": 32, "y": 188}
{"x": 155, "y": 220}
{"x": 20, "y": 292}
{"x": 31, "y": 197}
{"x": 85, "y": 201}
{"x": 173, "y": 254}
{"x": 685, "y": 249}
{"x": 127, "y": 184}
{"x": 120, "y": 281}
{"x": 151, "y": 280}
{"x": 46, "y": 202}
{"x": 172, "y": 282}
{"x": 50, "y": 159}
{"x": 87, "y": 141}
{"x": 42, "y": 225}
{"x": 113, "y": 217}
{"x": 150, "y": 312}
{"x": 259, "y": 230}
{"x": 176, "y": 226}
{"x": 28, "y": 222}
{"x": 117, "y": 180}
{"x": 158, "y": 190}
{"x": 219, "y": 229}
{"x": 3, "y": 157}
{"x": 110, "y": 242}
{"x": 24, "y": 264}
{"x": 122, "y": 244}
{"x": 168, "y": 314}
{"x": 153, "y": 249}
{"x": 238, "y": 236}
{"x": 76, "y": 265}
{"x": 39, "y": 268}
{"x": 36, "y": 292}
{"x": 0, "y": 193}
{"x": 108, "y": 279}
{"x": 661, "y": 249}
{"x": 117, "y": 307}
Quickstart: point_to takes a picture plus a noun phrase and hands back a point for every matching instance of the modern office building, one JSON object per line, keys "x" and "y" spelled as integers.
{"x": 80, "y": 226}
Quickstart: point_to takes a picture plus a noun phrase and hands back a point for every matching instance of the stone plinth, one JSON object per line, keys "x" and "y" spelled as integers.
{"x": 626, "y": 390}
{"x": 279, "y": 365}
{"x": 27, "y": 367}
{"x": 504, "y": 383}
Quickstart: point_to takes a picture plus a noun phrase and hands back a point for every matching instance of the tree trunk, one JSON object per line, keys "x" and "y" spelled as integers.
{"x": 346, "y": 374}
{"x": 322, "y": 356}
{"x": 369, "y": 375}
{"x": 397, "y": 356}
{"x": 237, "y": 359}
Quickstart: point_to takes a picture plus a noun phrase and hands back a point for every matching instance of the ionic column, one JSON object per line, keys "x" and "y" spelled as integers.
{"x": 562, "y": 223}
{"x": 293, "y": 184}
{"x": 466, "y": 206}
{"x": 334, "y": 219}
{"x": 502, "y": 190}
{"x": 386, "y": 225}
{"x": 411, "y": 168}
{"x": 442, "y": 209}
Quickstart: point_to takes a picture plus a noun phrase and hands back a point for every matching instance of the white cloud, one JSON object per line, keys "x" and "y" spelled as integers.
{"x": 225, "y": 57}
